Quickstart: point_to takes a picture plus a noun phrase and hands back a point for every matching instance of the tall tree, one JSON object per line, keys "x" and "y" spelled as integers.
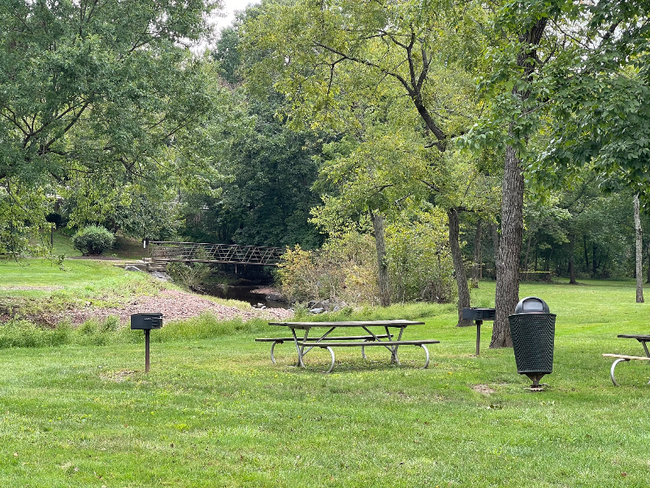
{"x": 516, "y": 86}
{"x": 95, "y": 87}
{"x": 512, "y": 194}
{"x": 333, "y": 55}
{"x": 267, "y": 169}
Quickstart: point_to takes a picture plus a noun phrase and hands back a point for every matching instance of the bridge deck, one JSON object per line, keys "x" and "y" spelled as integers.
{"x": 201, "y": 252}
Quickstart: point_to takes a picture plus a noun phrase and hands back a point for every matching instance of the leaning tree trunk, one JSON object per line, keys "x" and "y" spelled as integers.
{"x": 459, "y": 266}
{"x": 639, "y": 250}
{"x": 476, "y": 266}
{"x": 512, "y": 229}
{"x": 382, "y": 266}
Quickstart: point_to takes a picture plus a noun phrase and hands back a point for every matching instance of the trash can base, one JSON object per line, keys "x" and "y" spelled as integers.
{"x": 535, "y": 377}
{"x": 541, "y": 387}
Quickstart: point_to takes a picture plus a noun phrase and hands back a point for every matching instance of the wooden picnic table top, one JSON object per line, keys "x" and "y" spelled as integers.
{"x": 351, "y": 323}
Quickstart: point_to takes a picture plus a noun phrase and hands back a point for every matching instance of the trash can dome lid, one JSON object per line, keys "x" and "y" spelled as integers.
{"x": 531, "y": 305}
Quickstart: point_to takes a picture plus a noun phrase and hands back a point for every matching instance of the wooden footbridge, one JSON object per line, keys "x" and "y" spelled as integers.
{"x": 200, "y": 252}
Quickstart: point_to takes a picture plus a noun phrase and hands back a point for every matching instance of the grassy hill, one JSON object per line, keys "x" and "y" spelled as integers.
{"x": 124, "y": 248}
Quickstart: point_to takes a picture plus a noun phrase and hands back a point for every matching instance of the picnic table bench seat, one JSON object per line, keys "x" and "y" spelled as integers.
{"x": 282, "y": 340}
{"x": 622, "y": 358}
{"x": 372, "y": 343}
{"x": 388, "y": 344}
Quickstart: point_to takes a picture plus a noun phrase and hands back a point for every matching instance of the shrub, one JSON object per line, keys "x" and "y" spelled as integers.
{"x": 345, "y": 269}
{"x": 298, "y": 275}
{"x": 419, "y": 259}
{"x": 192, "y": 276}
{"x": 93, "y": 240}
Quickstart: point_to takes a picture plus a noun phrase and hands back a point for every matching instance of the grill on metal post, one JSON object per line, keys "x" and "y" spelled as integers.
{"x": 532, "y": 329}
{"x": 146, "y": 322}
{"x": 478, "y": 315}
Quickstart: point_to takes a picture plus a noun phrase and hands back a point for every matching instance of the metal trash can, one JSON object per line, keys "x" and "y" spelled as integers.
{"x": 532, "y": 329}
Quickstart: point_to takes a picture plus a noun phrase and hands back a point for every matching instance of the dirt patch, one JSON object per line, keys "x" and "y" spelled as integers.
{"x": 174, "y": 305}
{"x": 485, "y": 389}
{"x": 118, "y": 376}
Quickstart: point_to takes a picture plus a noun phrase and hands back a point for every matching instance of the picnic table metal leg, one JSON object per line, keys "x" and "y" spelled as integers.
{"x": 273, "y": 347}
{"x": 426, "y": 351}
{"x": 394, "y": 358}
{"x": 332, "y": 354}
{"x": 298, "y": 348}
{"x": 611, "y": 373}
{"x": 645, "y": 348}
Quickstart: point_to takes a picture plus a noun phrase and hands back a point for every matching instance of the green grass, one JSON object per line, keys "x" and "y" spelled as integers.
{"x": 63, "y": 246}
{"x": 30, "y": 287}
{"x": 214, "y": 411}
{"x": 124, "y": 248}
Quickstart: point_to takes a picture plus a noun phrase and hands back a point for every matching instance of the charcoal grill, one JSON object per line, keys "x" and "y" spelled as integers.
{"x": 146, "y": 322}
{"x": 478, "y": 315}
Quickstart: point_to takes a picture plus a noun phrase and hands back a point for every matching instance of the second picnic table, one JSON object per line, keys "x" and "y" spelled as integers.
{"x": 304, "y": 343}
{"x": 618, "y": 358}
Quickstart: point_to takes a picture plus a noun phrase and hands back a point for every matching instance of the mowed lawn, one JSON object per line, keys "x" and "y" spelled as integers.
{"x": 217, "y": 412}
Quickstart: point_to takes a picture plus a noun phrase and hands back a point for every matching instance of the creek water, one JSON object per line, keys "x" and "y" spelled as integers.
{"x": 245, "y": 293}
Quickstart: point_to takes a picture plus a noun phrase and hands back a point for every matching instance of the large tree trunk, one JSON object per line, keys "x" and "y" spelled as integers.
{"x": 459, "y": 266}
{"x": 380, "y": 244}
{"x": 476, "y": 267}
{"x": 639, "y": 250}
{"x": 512, "y": 228}
{"x": 512, "y": 203}
{"x": 572, "y": 261}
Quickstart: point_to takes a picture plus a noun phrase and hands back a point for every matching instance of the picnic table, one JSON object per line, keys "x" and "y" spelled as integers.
{"x": 389, "y": 336}
{"x": 618, "y": 358}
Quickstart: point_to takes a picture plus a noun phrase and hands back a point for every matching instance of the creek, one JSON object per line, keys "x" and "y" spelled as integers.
{"x": 253, "y": 294}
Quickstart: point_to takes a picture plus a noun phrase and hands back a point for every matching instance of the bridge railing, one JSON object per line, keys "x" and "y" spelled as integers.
{"x": 201, "y": 252}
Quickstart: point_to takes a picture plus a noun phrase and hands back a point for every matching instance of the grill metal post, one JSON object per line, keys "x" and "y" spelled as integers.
{"x": 147, "y": 333}
{"x": 145, "y": 322}
{"x": 478, "y": 315}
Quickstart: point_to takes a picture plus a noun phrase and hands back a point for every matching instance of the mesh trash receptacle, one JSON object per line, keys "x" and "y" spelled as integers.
{"x": 533, "y": 336}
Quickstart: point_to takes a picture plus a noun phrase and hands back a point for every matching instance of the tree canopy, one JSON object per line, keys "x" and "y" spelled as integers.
{"x": 97, "y": 88}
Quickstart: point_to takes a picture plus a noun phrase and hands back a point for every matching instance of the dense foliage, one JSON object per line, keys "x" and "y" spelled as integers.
{"x": 345, "y": 268}
{"x": 97, "y": 99}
